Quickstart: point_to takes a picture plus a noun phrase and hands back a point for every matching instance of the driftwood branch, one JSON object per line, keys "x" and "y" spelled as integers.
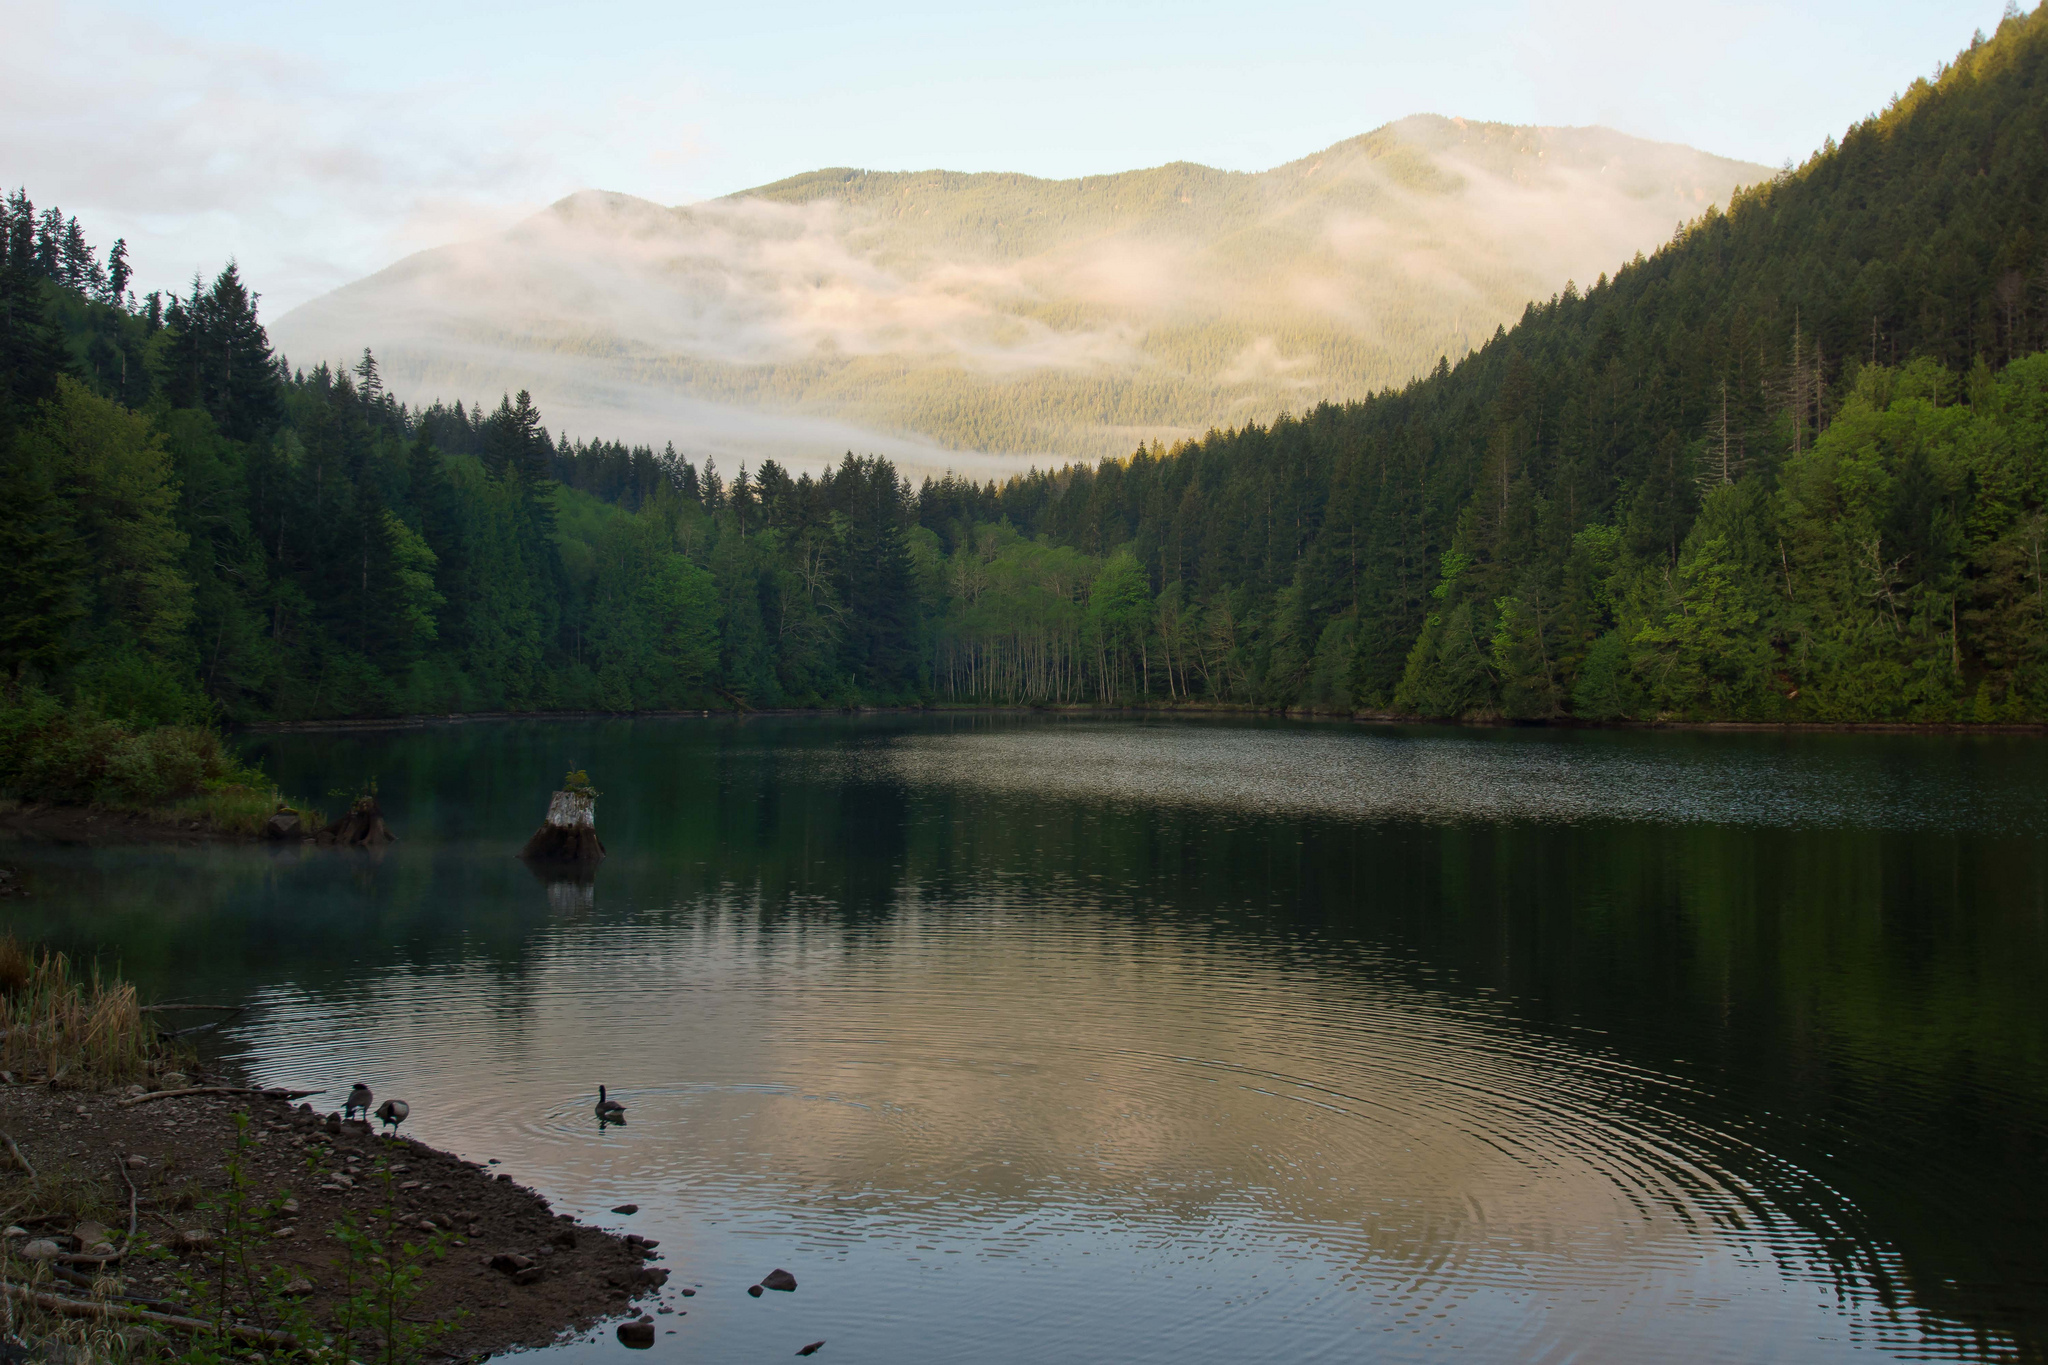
{"x": 90, "y": 1284}
{"x": 74, "y": 1308}
{"x": 201, "y": 1028}
{"x": 134, "y": 1200}
{"x": 15, "y": 1152}
{"x": 219, "y": 1090}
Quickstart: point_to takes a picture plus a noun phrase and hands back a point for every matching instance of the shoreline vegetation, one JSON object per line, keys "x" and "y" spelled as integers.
{"x": 212, "y": 1219}
{"x": 71, "y": 823}
{"x": 1156, "y": 708}
{"x": 1790, "y": 469}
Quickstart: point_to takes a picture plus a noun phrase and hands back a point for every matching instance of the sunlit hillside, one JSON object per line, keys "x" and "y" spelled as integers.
{"x": 933, "y": 314}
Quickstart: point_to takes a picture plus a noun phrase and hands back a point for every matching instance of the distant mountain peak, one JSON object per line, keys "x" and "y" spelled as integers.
{"x": 929, "y": 312}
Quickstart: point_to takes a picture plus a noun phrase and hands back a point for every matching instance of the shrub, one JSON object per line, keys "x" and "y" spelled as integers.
{"x": 78, "y": 755}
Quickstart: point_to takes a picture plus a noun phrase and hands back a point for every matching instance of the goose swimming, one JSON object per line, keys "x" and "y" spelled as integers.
{"x": 608, "y": 1109}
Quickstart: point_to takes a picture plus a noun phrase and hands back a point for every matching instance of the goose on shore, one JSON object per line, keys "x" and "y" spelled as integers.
{"x": 358, "y": 1099}
{"x": 608, "y": 1109}
{"x": 393, "y": 1113}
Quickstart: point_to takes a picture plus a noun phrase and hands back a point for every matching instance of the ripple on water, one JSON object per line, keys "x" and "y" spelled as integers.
{"x": 1210, "y": 1147}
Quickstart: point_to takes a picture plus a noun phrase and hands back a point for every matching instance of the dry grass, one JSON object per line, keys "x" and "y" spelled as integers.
{"x": 76, "y": 1028}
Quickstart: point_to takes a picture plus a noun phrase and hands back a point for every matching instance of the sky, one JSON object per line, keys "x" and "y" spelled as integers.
{"x": 316, "y": 144}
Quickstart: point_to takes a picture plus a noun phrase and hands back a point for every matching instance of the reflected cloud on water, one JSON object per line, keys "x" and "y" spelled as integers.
{"x": 1161, "y": 1041}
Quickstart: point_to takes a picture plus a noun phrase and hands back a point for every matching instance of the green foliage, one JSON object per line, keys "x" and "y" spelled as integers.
{"x": 77, "y": 753}
{"x": 382, "y": 1279}
{"x": 1793, "y": 466}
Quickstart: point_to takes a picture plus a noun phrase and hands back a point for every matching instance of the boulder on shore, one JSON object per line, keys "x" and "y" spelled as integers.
{"x": 569, "y": 834}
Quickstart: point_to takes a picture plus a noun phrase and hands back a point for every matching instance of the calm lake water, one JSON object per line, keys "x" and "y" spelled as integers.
{"x": 1022, "y": 1039}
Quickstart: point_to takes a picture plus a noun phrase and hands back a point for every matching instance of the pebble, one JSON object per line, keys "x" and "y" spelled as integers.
{"x": 779, "y": 1279}
{"x": 41, "y": 1249}
{"x": 636, "y": 1336}
{"x": 299, "y": 1288}
{"x": 626, "y": 1208}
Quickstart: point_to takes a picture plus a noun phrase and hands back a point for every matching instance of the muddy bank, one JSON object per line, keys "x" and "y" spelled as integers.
{"x": 498, "y": 1268}
{"x": 96, "y": 825}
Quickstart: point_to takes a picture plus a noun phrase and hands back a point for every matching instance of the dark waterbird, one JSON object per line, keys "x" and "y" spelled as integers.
{"x": 811, "y": 1349}
{"x": 359, "y": 1098}
{"x": 609, "y": 1110}
{"x": 393, "y": 1112}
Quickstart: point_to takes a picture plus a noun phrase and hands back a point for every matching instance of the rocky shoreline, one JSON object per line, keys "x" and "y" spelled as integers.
{"x": 98, "y": 825}
{"x": 251, "y": 1179}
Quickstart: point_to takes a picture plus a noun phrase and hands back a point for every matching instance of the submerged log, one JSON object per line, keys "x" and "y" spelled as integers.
{"x": 362, "y": 827}
{"x": 569, "y": 834}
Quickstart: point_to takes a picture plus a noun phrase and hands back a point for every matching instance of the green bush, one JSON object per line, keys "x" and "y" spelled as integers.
{"x": 77, "y": 755}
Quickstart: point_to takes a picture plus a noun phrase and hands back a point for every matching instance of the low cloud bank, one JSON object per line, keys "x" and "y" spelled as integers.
{"x": 938, "y": 317}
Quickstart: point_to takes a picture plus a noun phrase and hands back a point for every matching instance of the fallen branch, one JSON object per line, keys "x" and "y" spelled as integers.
{"x": 91, "y": 1284}
{"x": 73, "y": 1308}
{"x": 15, "y": 1152}
{"x": 134, "y": 1199}
{"x": 219, "y": 1090}
{"x": 200, "y": 1028}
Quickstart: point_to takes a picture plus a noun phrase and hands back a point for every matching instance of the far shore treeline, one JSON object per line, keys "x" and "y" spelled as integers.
{"x": 1794, "y": 466}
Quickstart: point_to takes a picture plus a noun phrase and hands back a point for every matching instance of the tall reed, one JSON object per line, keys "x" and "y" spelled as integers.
{"x": 84, "y": 1028}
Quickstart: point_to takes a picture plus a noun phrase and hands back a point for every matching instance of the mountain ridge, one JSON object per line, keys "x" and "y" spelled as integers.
{"x": 933, "y": 315}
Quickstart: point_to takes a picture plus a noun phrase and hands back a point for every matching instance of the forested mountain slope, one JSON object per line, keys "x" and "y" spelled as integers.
{"x": 933, "y": 312}
{"x": 1792, "y": 466}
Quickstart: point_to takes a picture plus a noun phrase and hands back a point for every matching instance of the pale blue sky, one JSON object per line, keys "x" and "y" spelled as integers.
{"x": 317, "y": 143}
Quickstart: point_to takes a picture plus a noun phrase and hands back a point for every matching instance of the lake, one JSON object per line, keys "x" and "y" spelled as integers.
{"x": 1021, "y": 1038}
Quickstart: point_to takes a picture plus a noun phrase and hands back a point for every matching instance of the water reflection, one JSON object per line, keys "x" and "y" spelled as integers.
{"x": 1143, "y": 1040}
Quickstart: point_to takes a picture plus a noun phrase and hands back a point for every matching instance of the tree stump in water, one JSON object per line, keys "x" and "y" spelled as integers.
{"x": 569, "y": 834}
{"x": 362, "y": 827}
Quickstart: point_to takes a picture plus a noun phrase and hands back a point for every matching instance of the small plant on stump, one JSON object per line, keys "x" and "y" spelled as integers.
{"x": 568, "y": 835}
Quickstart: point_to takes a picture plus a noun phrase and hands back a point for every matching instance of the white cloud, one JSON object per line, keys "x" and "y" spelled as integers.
{"x": 196, "y": 150}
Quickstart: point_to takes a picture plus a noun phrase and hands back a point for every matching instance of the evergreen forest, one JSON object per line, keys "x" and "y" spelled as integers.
{"x": 1791, "y": 467}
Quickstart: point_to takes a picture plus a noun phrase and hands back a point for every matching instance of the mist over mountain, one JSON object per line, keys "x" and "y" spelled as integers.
{"x": 974, "y": 321}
